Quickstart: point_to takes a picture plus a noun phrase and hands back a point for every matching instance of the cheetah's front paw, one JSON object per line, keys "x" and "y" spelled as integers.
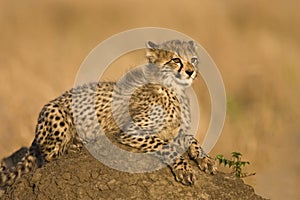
{"x": 183, "y": 172}
{"x": 207, "y": 164}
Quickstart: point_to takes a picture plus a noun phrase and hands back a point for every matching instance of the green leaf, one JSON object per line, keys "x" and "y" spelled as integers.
{"x": 236, "y": 155}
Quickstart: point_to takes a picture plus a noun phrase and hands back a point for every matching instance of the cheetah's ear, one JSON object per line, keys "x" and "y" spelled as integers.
{"x": 151, "y": 53}
{"x": 193, "y": 44}
{"x": 151, "y": 45}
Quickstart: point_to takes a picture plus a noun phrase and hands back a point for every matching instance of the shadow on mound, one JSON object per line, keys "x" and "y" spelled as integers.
{"x": 80, "y": 176}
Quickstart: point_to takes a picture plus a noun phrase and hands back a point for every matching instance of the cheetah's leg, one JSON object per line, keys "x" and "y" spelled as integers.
{"x": 54, "y": 132}
{"x": 143, "y": 143}
{"x": 168, "y": 153}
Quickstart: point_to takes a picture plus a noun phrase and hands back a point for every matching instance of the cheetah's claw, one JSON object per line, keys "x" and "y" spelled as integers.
{"x": 184, "y": 177}
{"x": 207, "y": 164}
{"x": 183, "y": 172}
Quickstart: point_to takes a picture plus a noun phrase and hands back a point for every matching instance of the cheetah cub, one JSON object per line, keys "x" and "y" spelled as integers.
{"x": 148, "y": 110}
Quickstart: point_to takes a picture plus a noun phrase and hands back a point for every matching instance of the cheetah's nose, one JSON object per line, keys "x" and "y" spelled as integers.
{"x": 188, "y": 72}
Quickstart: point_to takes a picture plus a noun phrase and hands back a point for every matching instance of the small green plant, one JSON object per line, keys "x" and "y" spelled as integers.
{"x": 235, "y": 163}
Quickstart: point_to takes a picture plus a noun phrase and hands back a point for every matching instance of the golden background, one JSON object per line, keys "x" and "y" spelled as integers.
{"x": 255, "y": 44}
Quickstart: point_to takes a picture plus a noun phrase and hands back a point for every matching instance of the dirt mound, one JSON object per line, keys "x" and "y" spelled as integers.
{"x": 80, "y": 176}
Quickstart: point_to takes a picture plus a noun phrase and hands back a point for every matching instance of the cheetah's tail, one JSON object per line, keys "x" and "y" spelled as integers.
{"x": 12, "y": 160}
{"x": 16, "y": 167}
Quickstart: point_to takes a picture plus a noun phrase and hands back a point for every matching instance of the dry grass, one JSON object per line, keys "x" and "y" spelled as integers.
{"x": 254, "y": 43}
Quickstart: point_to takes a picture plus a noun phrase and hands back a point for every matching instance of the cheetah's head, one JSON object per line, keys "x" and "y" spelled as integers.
{"x": 174, "y": 61}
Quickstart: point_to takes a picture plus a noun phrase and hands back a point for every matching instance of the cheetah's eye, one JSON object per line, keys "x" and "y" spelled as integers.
{"x": 194, "y": 61}
{"x": 177, "y": 61}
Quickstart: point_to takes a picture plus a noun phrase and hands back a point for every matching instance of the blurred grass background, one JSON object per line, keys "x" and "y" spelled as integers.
{"x": 254, "y": 43}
